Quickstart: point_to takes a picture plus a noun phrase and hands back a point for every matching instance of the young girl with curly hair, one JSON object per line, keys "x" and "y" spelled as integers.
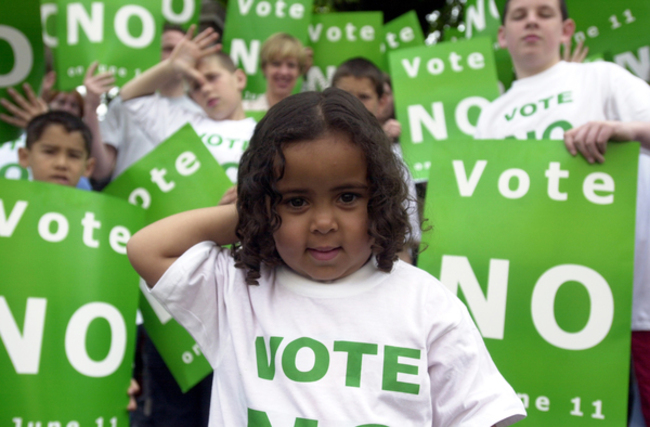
{"x": 309, "y": 319}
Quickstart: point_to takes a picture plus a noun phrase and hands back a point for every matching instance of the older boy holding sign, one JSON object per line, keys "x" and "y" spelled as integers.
{"x": 586, "y": 105}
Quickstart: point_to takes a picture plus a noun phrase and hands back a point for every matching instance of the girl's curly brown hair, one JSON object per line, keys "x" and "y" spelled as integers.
{"x": 305, "y": 117}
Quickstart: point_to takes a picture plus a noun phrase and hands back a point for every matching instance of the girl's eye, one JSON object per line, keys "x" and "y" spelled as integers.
{"x": 296, "y": 202}
{"x": 348, "y": 198}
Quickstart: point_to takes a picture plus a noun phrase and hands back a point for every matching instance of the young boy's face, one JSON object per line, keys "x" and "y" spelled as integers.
{"x": 364, "y": 90}
{"x": 533, "y": 31}
{"x": 58, "y": 157}
{"x": 220, "y": 95}
{"x": 324, "y": 208}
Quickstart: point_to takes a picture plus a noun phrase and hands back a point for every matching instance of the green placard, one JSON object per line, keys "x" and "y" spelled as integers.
{"x": 21, "y": 50}
{"x": 250, "y": 22}
{"x": 439, "y": 93}
{"x": 337, "y": 37}
{"x": 68, "y": 298}
{"x": 483, "y": 19}
{"x": 540, "y": 246}
{"x": 122, "y": 35}
{"x": 402, "y": 32}
{"x": 179, "y": 175}
{"x": 617, "y": 30}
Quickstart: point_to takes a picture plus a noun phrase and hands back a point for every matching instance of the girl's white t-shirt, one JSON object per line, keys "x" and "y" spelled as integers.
{"x": 393, "y": 349}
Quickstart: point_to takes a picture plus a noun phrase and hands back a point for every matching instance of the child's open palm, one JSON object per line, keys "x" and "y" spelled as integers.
{"x": 190, "y": 50}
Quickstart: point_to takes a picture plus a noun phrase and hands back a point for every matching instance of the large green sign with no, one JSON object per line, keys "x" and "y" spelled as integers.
{"x": 68, "y": 298}
{"x": 123, "y": 35}
{"x": 179, "y": 175}
{"x": 540, "y": 246}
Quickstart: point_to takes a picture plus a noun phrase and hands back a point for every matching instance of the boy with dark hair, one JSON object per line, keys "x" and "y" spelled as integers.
{"x": 362, "y": 79}
{"x": 586, "y": 105}
{"x": 57, "y": 149}
{"x": 365, "y": 81}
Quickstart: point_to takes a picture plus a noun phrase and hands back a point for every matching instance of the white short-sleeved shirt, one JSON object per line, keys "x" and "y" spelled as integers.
{"x": 131, "y": 142}
{"x": 569, "y": 95}
{"x": 159, "y": 118}
{"x": 393, "y": 348}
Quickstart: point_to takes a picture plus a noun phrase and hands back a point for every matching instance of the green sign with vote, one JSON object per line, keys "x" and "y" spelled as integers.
{"x": 250, "y": 22}
{"x": 179, "y": 175}
{"x": 123, "y": 35}
{"x": 21, "y": 50}
{"x": 337, "y": 37}
{"x": 402, "y": 32}
{"x": 483, "y": 19}
{"x": 540, "y": 246}
{"x": 68, "y": 298}
{"x": 439, "y": 93}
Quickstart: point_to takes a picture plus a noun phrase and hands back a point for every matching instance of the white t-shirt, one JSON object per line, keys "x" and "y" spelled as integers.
{"x": 159, "y": 118}
{"x": 120, "y": 130}
{"x": 372, "y": 348}
{"x": 569, "y": 95}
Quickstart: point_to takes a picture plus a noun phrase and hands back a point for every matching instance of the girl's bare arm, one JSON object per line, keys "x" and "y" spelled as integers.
{"x": 154, "y": 249}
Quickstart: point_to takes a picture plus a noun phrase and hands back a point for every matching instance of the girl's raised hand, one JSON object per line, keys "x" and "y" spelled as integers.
{"x": 190, "y": 50}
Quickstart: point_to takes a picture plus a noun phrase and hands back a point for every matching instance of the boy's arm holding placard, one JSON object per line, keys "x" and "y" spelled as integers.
{"x": 182, "y": 60}
{"x": 154, "y": 249}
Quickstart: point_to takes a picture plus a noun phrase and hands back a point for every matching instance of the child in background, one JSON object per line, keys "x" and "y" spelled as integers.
{"x": 364, "y": 80}
{"x": 216, "y": 85}
{"x": 311, "y": 318}
{"x": 57, "y": 149}
{"x": 282, "y": 61}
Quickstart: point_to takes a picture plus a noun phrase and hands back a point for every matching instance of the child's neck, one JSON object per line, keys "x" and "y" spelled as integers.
{"x": 523, "y": 71}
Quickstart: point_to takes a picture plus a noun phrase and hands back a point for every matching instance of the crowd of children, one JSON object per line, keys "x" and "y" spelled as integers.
{"x": 323, "y": 225}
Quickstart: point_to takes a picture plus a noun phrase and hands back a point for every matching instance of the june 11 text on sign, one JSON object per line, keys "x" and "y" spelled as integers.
{"x": 540, "y": 246}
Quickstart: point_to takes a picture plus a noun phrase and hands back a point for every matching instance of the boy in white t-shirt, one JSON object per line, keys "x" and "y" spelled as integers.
{"x": 124, "y": 141}
{"x": 311, "y": 319}
{"x": 216, "y": 86}
{"x": 586, "y": 105}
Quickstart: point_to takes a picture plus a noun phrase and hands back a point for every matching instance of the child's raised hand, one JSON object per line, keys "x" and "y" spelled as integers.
{"x": 24, "y": 110}
{"x": 578, "y": 55}
{"x": 229, "y": 197}
{"x": 190, "y": 50}
{"x": 96, "y": 85}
